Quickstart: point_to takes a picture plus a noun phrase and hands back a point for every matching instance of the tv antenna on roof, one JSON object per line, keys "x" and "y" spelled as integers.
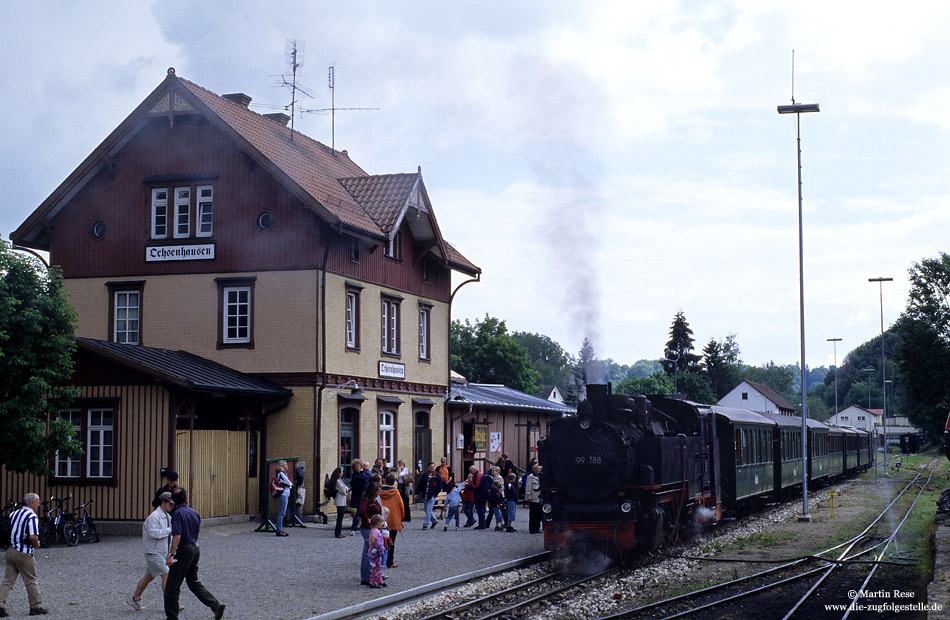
{"x": 293, "y": 55}
{"x": 331, "y": 80}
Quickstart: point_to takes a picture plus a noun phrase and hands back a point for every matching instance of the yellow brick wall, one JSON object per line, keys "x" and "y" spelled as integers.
{"x": 181, "y": 312}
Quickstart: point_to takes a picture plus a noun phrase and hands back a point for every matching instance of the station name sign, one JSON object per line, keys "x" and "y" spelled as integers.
{"x": 160, "y": 253}
{"x": 390, "y": 370}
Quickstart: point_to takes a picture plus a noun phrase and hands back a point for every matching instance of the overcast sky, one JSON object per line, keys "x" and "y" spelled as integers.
{"x": 606, "y": 163}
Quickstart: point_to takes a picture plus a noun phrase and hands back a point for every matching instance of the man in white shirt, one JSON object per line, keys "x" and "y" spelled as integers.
{"x": 156, "y": 538}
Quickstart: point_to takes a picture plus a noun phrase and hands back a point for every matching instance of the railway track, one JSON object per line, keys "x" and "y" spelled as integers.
{"x": 801, "y": 587}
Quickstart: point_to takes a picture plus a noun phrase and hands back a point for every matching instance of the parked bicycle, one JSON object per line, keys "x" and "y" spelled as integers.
{"x": 57, "y": 525}
{"x": 82, "y": 526}
{"x": 6, "y": 526}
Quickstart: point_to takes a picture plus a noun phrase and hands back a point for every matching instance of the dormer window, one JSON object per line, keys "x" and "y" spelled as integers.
{"x": 394, "y": 249}
{"x": 187, "y": 210}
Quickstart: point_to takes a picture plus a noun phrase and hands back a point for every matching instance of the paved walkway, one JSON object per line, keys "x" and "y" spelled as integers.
{"x": 260, "y": 576}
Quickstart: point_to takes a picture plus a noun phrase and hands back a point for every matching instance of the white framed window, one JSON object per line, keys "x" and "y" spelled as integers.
{"x": 390, "y": 326}
{"x": 205, "y": 211}
{"x": 352, "y": 319}
{"x": 424, "y": 323}
{"x": 182, "y": 212}
{"x": 126, "y": 308}
{"x": 94, "y": 426}
{"x": 237, "y": 315}
{"x": 99, "y": 445}
{"x": 70, "y": 467}
{"x": 159, "y": 213}
{"x": 387, "y": 431}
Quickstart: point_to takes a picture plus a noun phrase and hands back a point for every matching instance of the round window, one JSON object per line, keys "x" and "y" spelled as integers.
{"x": 98, "y": 229}
{"x": 265, "y": 221}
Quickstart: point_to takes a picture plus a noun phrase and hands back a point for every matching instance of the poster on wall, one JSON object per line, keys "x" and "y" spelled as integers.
{"x": 495, "y": 442}
{"x": 481, "y": 438}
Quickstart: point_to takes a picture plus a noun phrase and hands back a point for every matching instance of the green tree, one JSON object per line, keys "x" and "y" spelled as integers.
{"x": 659, "y": 383}
{"x": 548, "y": 358}
{"x": 780, "y": 378}
{"x": 587, "y": 369}
{"x": 721, "y": 365}
{"x": 36, "y": 363}
{"x": 696, "y": 387}
{"x": 486, "y": 353}
{"x": 679, "y": 349}
{"x": 923, "y": 351}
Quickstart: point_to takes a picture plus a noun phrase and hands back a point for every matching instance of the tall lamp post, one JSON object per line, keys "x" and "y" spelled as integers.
{"x": 798, "y": 109}
{"x": 834, "y": 344}
{"x": 880, "y": 284}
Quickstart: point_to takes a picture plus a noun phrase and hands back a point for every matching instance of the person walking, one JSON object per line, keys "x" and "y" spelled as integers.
{"x": 511, "y": 500}
{"x": 156, "y": 541}
{"x": 429, "y": 487}
{"x": 453, "y": 503}
{"x": 468, "y": 500}
{"x": 24, "y": 538}
{"x": 183, "y": 559}
{"x": 532, "y": 495}
{"x": 284, "y": 482}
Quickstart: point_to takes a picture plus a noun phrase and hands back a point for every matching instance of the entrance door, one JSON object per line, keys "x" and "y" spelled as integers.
{"x": 422, "y": 441}
{"x": 213, "y": 468}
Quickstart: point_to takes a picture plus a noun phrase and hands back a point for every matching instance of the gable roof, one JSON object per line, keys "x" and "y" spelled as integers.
{"x": 494, "y": 395}
{"x": 771, "y": 395}
{"x": 327, "y": 181}
{"x": 182, "y": 369}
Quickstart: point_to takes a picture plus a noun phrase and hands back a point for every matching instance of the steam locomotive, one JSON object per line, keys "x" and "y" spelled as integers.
{"x": 629, "y": 474}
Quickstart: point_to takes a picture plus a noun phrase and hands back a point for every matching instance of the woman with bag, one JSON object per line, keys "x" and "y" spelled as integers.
{"x": 338, "y": 488}
{"x": 284, "y": 482}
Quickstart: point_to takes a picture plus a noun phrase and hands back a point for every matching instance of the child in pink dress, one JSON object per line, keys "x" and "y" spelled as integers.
{"x": 377, "y": 546}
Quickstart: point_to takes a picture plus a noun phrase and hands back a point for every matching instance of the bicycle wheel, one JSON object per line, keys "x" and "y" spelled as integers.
{"x": 70, "y": 533}
{"x": 92, "y": 529}
{"x": 46, "y": 537}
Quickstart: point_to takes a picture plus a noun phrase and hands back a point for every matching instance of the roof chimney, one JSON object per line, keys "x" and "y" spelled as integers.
{"x": 278, "y": 117}
{"x": 239, "y": 98}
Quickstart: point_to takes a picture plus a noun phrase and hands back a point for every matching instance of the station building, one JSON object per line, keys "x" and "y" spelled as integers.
{"x": 244, "y": 293}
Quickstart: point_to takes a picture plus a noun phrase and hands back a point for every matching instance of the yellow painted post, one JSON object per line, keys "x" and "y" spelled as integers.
{"x": 831, "y": 498}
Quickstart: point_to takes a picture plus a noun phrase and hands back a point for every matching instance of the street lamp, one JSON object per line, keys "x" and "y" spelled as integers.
{"x": 675, "y": 361}
{"x": 880, "y": 284}
{"x": 834, "y": 344}
{"x": 798, "y": 109}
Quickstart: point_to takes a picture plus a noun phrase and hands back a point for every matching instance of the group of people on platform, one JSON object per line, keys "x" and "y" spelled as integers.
{"x": 379, "y": 500}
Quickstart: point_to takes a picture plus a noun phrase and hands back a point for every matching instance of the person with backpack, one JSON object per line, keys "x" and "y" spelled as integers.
{"x": 336, "y": 490}
{"x": 283, "y": 483}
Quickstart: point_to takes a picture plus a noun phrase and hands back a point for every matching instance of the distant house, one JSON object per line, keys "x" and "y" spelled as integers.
{"x": 757, "y": 397}
{"x": 553, "y": 394}
{"x": 858, "y": 417}
{"x": 489, "y": 420}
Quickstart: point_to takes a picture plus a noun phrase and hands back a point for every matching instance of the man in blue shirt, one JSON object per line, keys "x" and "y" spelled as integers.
{"x": 24, "y": 537}
{"x": 183, "y": 559}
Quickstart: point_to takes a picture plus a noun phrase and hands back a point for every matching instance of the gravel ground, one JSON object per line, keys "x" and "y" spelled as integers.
{"x": 260, "y": 576}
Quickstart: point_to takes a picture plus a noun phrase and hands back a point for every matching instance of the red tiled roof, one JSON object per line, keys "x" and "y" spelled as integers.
{"x": 326, "y": 180}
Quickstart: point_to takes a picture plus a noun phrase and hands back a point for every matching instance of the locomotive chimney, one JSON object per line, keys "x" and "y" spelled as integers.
{"x": 598, "y": 394}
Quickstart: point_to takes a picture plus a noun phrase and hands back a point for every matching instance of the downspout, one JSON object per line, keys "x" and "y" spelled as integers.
{"x": 321, "y": 338}
{"x": 448, "y": 373}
